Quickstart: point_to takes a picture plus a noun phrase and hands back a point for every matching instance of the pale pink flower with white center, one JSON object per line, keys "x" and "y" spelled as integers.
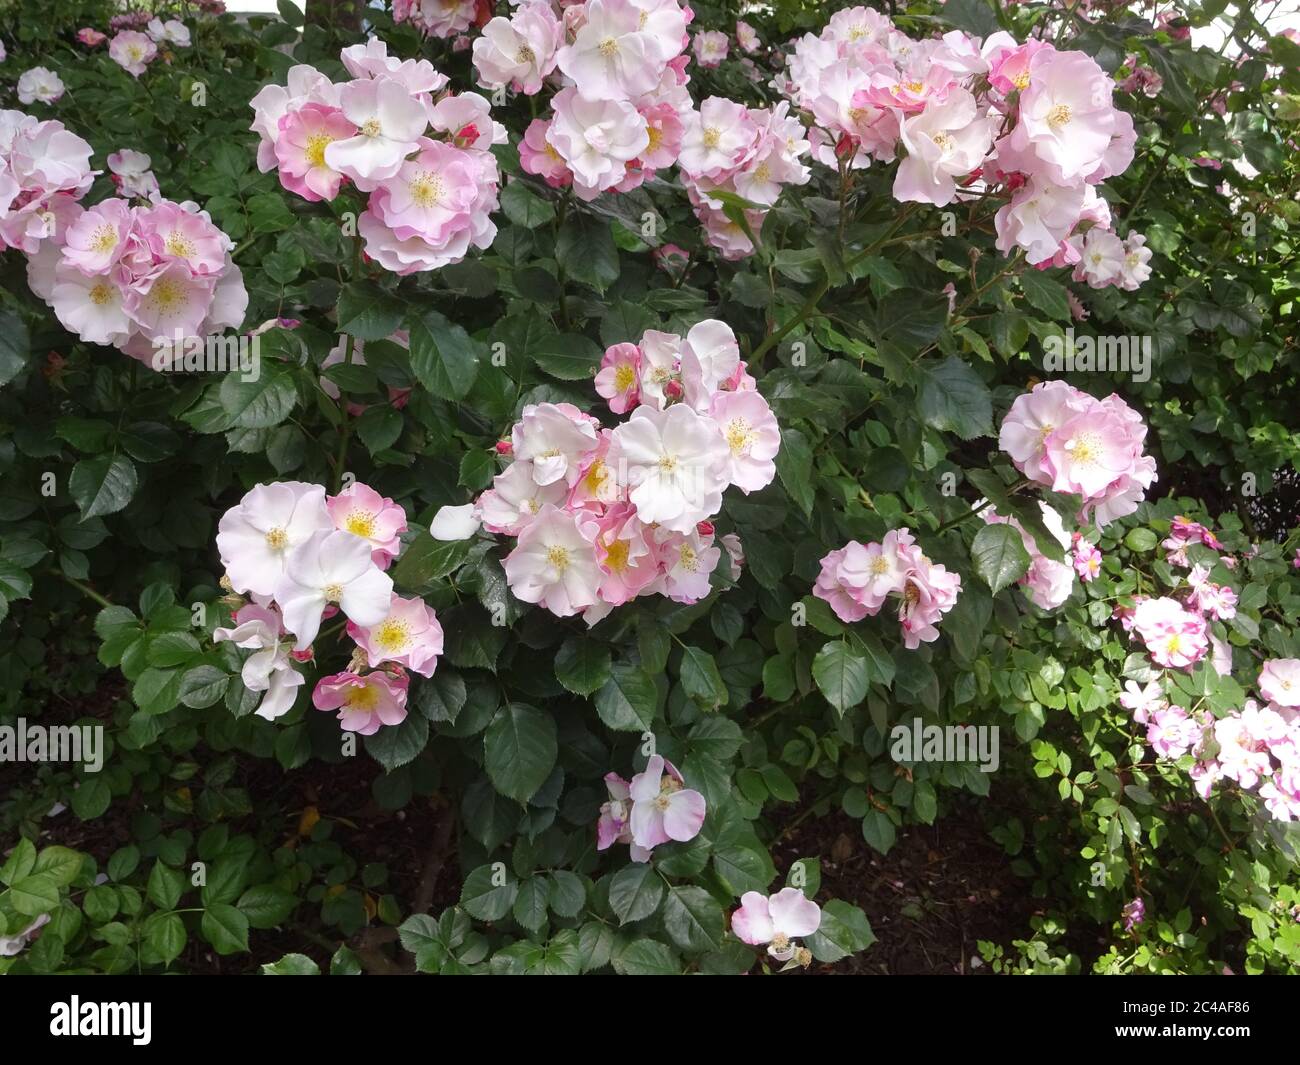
{"x": 328, "y": 568}
{"x": 1279, "y": 681}
{"x": 389, "y": 122}
{"x": 839, "y": 582}
{"x": 132, "y": 51}
{"x": 409, "y": 636}
{"x": 878, "y": 570}
{"x": 611, "y": 57}
{"x": 132, "y": 175}
{"x": 1143, "y": 699}
{"x": 660, "y": 367}
{"x": 363, "y": 512}
{"x": 172, "y": 302}
{"x": 612, "y": 825}
{"x": 664, "y": 129}
{"x": 747, "y": 37}
{"x": 1033, "y": 417}
{"x": 596, "y": 139}
{"x": 1175, "y": 637}
{"x": 554, "y": 565}
{"x": 97, "y": 239}
{"x": 752, "y": 435}
{"x": 175, "y": 235}
{"x": 777, "y": 921}
{"x": 269, "y": 668}
{"x": 173, "y": 32}
{"x": 1217, "y": 600}
{"x": 1039, "y": 217}
{"x": 516, "y": 498}
{"x": 371, "y": 60}
{"x": 675, "y": 465}
{"x": 716, "y": 137}
{"x": 1136, "y": 266}
{"x": 365, "y": 703}
{"x": 430, "y": 195}
{"x": 1243, "y": 741}
{"x": 1171, "y": 732}
{"x": 1101, "y": 258}
{"x": 537, "y": 155}
{"x": 664, "y": 810}
{"x": 735, "y": 552}
{"x": 1088, "y": 453}
{"x": 90, "y": 305}
{"x": 710, "y": 357}
{"x": 554, "y": 437}
{"x": 1065, "y": 115}
{"x": 710, "y": 48}
{"x": 686, "y": 561}
{"x": 305, "y": 133}
{"x": 619, "y": 378}
{"x": 948, "y": 139}
{"x": 255, "y": 536}
{"x": 39, "y": 84}
{"x": 519, "y": 51}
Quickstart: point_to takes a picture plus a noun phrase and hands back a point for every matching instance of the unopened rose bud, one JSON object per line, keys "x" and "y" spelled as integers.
{"x": 705, "y": 528}
{"x": 303, "y": 656}
{"x": 673, "y": 390}
{"x": 505, "y": 447}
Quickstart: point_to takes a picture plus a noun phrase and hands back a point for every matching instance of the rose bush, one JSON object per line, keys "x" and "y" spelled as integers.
{"x": 633, "y": 423}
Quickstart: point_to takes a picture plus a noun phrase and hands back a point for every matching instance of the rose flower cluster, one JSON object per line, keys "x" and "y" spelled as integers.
{"x": 856, "y": 580}
{"x": 301, "y": 557}
{"x": 1256, "y": 747}
{"x": 655, "y": 807}
{"x": 1036, "y": 124}
{"x": 1071, "y": 442}
{"x": 141, "y": 278}
{"x": 430, "y": 197}
{"x": 604, "y": 515}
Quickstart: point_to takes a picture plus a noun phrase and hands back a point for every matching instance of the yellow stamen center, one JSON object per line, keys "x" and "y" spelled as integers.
{"x": 315, "y": 148}
{"x": 1059, "y": 116}
{"x": 558, "y": 557}
{"x": 392, "y": 635}
{"x": 277, "y": 539}
{"x": 101, "y": 294}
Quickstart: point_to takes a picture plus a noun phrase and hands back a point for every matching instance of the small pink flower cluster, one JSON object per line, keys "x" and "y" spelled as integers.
{"x": 1257, "y": 747}
{"x": 1071, "y": 442}
{"x": 44, "y": 171}
{"x": 1175, "y": 637}
{"x": 1103, "y": 259}
{"x": 1183, "y": 532}
{"x": 302, "y": 556}
{"x": 429, "y": 197}
{"x": 745, "y": 152}
{"x": 856, "y": 580}
{"x": 605, "y": 515}
{"x": 654, "y": 808}
{"x": 618, "y": 115}
{"x": 133, "y": 51}
{"x": 1086, "y": 558}
{"x": 144, "y": 279}
{"x": 1047, "y": 583}
{"x": 1037, "y": 121}
{"x": 436, "y": 18}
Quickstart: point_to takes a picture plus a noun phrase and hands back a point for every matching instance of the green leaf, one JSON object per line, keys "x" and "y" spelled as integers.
{"x": 165, "y": 936}
{"x": 367, "y": 312}
{"x": 585, "y": 251}
{"x": 15, "y": 346}
{"x": 428, "y": 560}
{"x": 841, "y": 674}
{"x": 693, "y": 919}
{"x": 911, "y": 318}
{"x": 701, "y": 680}
{"x": 954, "y": 399}
{"x": 999, "y": 556}
{"x": 291, "y": 964}
{"x": 524, "y": 207}
{"x": 635, "y": 892}
{"x": 519, "y": 750}
{"x": 645, "y": 957}
{"x": 225, "y": 928}
{"x": 34, "y": 894}
{"x": 60, "y": 864}
{"x": 529, "y": 908}
{"x": 582, "y": 665}
{"x": 266, "y": 906}
{"x": 262, "y": 403}
{"x": 567, "y": 356}
{"x": 444, "y": 358}
{"x": 844, "y": 930}
{"x": 397, "y": 745}
{"x": 485, "y": 900}
{"x": 1045, "y": 294}
{"x": 102, "y": 485}
{"x": 166, "y": 885}
{"x": 627, "y": 701}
